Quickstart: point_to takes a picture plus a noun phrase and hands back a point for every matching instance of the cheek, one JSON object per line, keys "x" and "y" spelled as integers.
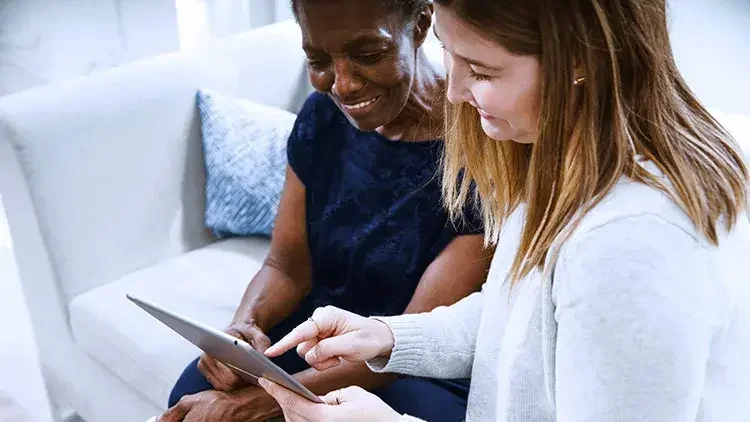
{"x": 391, "y": 71}
{"x": 515, "y": 102}
{"x": 496, "y": 99}
{"x": 321, "y": 81}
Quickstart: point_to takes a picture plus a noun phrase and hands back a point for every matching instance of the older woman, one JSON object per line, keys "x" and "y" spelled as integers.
{"x": 360, "y": 224}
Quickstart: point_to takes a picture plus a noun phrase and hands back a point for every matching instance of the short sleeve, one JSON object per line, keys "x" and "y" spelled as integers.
{"x": 299, "y": 148}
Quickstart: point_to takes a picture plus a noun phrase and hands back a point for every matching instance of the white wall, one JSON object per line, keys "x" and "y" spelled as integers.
{"x": 43, "y": 41}
{"x": 200, "y": 21}
{"x": 711, "y": 43}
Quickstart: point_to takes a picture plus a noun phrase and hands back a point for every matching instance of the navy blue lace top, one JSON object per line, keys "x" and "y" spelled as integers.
{"x": 374, "y": 215}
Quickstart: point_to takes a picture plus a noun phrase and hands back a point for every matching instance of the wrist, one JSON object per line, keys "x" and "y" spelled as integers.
{"x": 385, "y": 338}
{"x": 248, "y": 318}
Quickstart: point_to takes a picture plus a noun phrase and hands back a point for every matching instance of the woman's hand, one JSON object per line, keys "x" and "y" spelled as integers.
{"x": 250, "y": 405}
{"x": 332, "y": 334}
{"x": 350, "y": 404}
{"x": 219, "y": 375}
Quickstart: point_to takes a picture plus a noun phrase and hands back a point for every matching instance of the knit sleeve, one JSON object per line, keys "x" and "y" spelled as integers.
{"x": 437, "y": 344}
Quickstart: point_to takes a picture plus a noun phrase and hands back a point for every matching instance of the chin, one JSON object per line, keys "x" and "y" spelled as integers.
{"x": 494, "y": 132}
{"x": 368, "y": 122}
{"x": 365, "y": 125}
{"x": 504, "y": 132}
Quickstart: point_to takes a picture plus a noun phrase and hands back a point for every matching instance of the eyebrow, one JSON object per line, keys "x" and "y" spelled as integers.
{"x": 466, "y": 59}
{"x": 364, "y": 40}
{"x": 357, "y": 42}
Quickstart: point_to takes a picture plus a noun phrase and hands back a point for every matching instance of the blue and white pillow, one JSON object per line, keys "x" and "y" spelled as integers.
{"x": 244, "y": 150}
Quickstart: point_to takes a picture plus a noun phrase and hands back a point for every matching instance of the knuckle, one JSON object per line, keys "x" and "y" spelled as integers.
{"x": 329, "y": 314}
{"x": 291, "y": 405}
{"x": 320, "y": 312}
{"x": 263, "y": 340}
{"x": 355, "y": 354}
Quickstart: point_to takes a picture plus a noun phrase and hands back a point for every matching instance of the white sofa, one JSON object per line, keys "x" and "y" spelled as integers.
{"x": 102, "y": 180}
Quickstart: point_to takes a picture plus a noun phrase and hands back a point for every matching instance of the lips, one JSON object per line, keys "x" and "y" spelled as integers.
{"x": 481, "y": 112}
{"x": 484, "y": 115}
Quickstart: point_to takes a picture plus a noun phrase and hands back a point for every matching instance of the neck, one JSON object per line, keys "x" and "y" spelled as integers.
{"x": 422, "y": 116}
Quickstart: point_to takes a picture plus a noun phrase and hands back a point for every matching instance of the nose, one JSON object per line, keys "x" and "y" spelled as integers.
{"x": 346, "y": 82}
{"x": 458, "y": 91}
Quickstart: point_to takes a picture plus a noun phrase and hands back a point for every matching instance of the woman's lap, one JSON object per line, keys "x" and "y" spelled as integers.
{"x": 192, "y": 380}
{"x": 429, "y": 399}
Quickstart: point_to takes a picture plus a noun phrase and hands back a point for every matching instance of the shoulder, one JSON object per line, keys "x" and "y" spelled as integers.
{"x": 632, "y": 202}
{"x": 635, "y": 221}
{"x": 639, "y": 249}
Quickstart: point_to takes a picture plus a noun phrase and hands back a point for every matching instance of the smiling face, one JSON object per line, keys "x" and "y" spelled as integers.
{"x": 360, "y": 54}
{"x": 504, "y": 88}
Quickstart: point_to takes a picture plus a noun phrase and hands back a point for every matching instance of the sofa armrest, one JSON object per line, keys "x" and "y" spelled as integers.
{"x": 27, "y": 400}
{"x": 29, "y": 260}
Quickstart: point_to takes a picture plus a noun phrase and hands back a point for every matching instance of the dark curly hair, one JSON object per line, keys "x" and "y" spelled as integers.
{"x": 408, "y": 9}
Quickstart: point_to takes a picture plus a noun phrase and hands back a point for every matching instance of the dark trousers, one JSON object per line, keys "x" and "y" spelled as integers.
{"x": 429, "y": 399}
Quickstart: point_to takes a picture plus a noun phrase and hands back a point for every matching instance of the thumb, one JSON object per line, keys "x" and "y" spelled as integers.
{"x": 290, "y": 402}
{"x": 258, "y": 339}
{"x": 252, "y": 334}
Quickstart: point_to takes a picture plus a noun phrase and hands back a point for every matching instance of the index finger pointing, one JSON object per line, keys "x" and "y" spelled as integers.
{"x": 308, "y": 330}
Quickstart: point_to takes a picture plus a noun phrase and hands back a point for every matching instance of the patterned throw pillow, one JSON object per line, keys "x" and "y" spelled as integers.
{"x": 244, "y": 150}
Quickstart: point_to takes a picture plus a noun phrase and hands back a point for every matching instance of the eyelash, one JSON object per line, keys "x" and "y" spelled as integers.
{"x": 317, "y": 64}
{"x": 479, "y": 76}
{"x": 368, "y": 59}
{"x": 474, "y": 75}
{"x": 365, "y": 59}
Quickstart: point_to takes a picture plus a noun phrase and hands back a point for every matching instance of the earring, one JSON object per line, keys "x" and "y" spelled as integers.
{"x": 579, "y": 80}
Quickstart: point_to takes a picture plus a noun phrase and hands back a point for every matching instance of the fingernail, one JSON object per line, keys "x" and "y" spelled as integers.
{"x": 263, "y": 383}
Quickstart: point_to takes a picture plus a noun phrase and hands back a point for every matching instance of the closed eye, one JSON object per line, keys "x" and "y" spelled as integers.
{"x": 369, "y": 59}
{"x": 318, "y": 64}
{"x": 479, "y": 76}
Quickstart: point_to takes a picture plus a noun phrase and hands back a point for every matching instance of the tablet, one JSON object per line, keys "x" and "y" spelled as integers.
{"x": 235, "y": 353}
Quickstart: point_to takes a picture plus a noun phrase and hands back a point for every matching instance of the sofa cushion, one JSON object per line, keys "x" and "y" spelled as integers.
{"x": 205, "y": 284}
{"x": 103, "y": 148}
{"x": 244, "y": 149}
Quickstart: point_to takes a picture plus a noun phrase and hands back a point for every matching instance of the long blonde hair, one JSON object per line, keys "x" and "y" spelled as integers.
{"x": 633, "y": 103}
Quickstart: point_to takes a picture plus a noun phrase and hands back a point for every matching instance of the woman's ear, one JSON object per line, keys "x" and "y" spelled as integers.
{"x": 423, "y": 25}
{"x": 579, "y": 71}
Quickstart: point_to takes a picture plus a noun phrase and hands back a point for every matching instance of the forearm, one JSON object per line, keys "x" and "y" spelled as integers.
{"x": 271, "y": 297}
{"x": 345, "y": 375}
